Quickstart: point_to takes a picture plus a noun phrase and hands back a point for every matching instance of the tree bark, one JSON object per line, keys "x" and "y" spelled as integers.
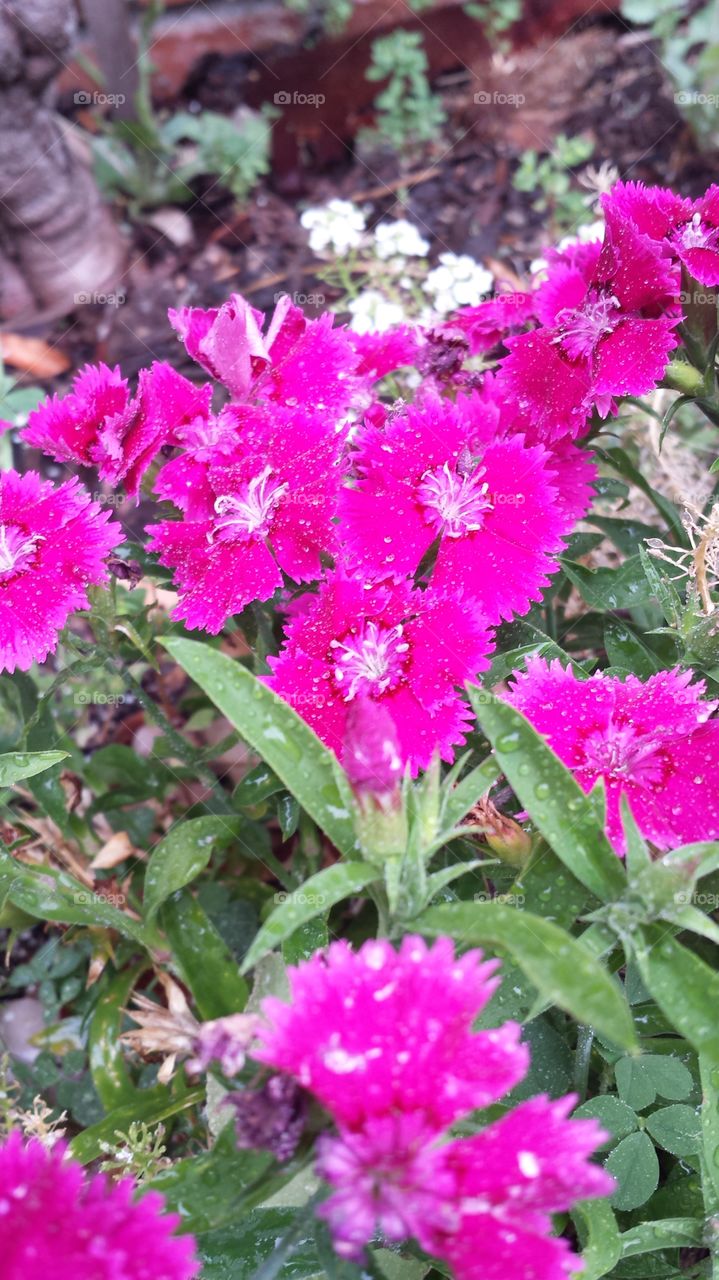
{"x": 58, "y": 243}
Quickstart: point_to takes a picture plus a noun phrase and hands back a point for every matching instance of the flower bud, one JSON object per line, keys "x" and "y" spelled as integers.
{"x": 373, "y": 763}
{"x": 503, "y": 835}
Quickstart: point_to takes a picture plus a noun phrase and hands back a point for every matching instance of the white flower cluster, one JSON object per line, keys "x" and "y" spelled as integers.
{"x": 371, "y": 312}
{"x": 458, "y": 281}
{"x": 337, "y": 225}
{"x": 399, "y": 239}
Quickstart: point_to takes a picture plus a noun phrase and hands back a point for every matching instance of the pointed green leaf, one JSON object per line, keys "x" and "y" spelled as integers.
{"x": 17, "y": 765}
{"x": 282, "y": 738}
{"x": 683, "y": 985}
{"x": 601, "y": 1243}
{"x": 316, "y": 896}
{"x": 557, "y": 964}
{"x": 205, "y": 962}
{"x": 182, "y": 854}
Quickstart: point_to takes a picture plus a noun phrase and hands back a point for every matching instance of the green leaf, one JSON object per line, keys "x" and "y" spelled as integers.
{"x": 621, "y": 588}
{"x": 639, "y": 1080}
{"x": 257, "y": 1243}
{"x": 634, "y": 1164}
{"x": 557, "y": 804}
{"x": 183, "y": 854}
{"x": 684, "y": 987}
{"x": 48, "y": 894}
{"x": 315, "y": 897}
{"x": 666, "y": 1233}
{"x": 558, "y": 965}
{"x": 600, "y": 1238}
{"x": 615, "y": 1116}
{"x": 310, "y": 937}
{"x": 108, "y": 1064}
{"x": 286, "y": 743}
{"x": 626, "y": 649}
{"x": 677, "y": 1128}
{"x": 204, "y": 961}
{"x": 17, "y": 765}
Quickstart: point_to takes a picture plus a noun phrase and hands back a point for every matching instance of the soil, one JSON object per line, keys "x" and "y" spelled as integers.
{"x": 599, "y": 80}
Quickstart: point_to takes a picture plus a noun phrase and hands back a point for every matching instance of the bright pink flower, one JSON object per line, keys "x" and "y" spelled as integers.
{"x": 184, "y": 479}
{"x": 391, "y": 1179}
{"x": 52, "y": 546}
{"x": 68, "y": 429}
{"x": 296, "y": 361}
{"x": 437, "y": 470}
{"x": 649, "y": 740}
{"x": 509, "y": 1179}
{"x": 165, "y": 403}
{"x": 378, "y": 1032}
{"x": 371, "y": 753}
{"x": 57, "y": 1221}
{"x": 384, "y": 1040}
{"x": 489, "y": 323}
{"x": 266, "y": 508}
{"x": 689, "y": 228}
{"x": 608, "y": 317}
{"x": 407, "y": 649}
{"x": 382, "y": 353}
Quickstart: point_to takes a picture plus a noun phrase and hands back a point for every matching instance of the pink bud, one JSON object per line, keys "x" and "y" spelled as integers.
{"x": 371, "y": 752}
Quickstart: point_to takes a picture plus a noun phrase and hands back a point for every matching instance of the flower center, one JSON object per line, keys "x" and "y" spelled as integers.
{"x": 624, "y": 756}
{"x": 370, "y": 662}
{"x": 251, "y": 510}
{"x": 697, "y": 235}
{"x": 581, "y": 328}
{"x": 454, "y": 502}
{"x": 17, "y": 550}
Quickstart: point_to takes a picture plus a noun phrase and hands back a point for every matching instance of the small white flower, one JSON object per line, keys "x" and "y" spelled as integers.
{"x": 399, "y": 239}
{"x": 373, "y": 313}
{"x": 337, "y": 225}
{"x": 538, "y": 267}
{"x": 458, "y": 281}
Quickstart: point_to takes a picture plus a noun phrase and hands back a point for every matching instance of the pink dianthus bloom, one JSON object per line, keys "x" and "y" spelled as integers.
{"x": 489, "y": 323}
{"x": 99, "y": 424}
{"x": 53, "y": 543}
{"x": 689, "y": 228}
{"x": 68, "y": 429}
{"x": 57, "y": 1221}
{"x": 379, "y": 1032}
{"x": 607, "y": 318}
{"x": 296, "y": 361}
{"x": 651, "y": 741}
{"x": 509, "y": 1179}
{"x": 407, "y": 649}
{"x": 438, "y": 470}
{"x": 384, "y": 1040}
{"x": 265, "y": 506}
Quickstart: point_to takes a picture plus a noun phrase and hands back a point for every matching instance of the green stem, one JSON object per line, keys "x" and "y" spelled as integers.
{"x": 582, "y": 1058}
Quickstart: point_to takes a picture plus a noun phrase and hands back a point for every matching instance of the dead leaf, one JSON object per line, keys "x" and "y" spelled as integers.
{"x": 33, "y": 355}
{"x": 114, "y": 851}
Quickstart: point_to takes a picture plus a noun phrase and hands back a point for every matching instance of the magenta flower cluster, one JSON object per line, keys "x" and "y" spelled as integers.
{"x": 393, "y": 538}
{"x": 57, "y": 1221}
{"x": 383, "y": 1039}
